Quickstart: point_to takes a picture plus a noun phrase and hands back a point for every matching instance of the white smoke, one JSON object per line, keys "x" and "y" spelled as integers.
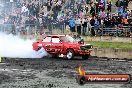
{"x": 13, "y": 46}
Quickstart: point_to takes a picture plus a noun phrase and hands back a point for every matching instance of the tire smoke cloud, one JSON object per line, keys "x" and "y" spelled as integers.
{"x": 15, "y": 47}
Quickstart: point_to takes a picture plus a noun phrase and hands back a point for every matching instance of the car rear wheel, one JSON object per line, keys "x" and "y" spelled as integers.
{"x": 70, "y": 54}
{"x": 85, "y": 56}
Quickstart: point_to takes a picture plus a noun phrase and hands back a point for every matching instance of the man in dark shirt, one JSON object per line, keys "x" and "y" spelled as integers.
{"x": 84, "y": 26}
{"x": 92, "y": 11}
{"x": 109, "y": 6}
{"x": 119, "y": 4}
{"x": 92, "y": 21}
{"x": 49, "y": 23}
{"x": 125, "y": 5}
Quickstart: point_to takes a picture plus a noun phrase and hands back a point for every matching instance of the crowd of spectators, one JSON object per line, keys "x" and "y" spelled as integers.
{"x": 86, "y": 17}
{"x": 100, "y": 19}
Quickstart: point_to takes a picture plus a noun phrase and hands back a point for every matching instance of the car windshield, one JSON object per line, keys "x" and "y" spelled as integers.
{"x": 67, "y": 39}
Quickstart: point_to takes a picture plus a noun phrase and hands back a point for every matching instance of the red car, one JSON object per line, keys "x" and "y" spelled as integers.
{"x": 63, "y": 44}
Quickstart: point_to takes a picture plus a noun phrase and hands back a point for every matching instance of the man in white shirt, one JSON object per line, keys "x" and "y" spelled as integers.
{"x": 25, "y": 10}
{"x": 78, "y": 24}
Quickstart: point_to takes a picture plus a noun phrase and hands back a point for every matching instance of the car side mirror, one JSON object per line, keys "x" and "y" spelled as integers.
{"x": 81, "y": 41}
{"x": 61, "y": 41}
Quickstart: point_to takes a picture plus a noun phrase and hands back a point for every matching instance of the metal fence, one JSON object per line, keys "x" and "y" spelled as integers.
{"x": 33, "y": 29}
{"x": 30, "y": 29}
{"x": 124, "y": 31}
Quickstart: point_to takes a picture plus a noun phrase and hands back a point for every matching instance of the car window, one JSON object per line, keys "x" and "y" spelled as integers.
{"x": 55, "y": 40}
{"x": 67, "y": 39}
{"x": 47, "y": 39}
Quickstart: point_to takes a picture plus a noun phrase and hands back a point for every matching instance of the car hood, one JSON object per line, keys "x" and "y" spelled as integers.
{"x": 76, "y": 43}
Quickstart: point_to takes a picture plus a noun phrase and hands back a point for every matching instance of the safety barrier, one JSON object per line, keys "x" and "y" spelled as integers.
{"x": 29, "y": 29}
{"x": 114, "y": 31}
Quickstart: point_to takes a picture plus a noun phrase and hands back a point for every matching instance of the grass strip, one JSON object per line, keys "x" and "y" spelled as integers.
{"x": 120, "y": 45}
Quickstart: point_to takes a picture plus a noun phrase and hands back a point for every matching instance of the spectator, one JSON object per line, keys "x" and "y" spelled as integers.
{"x": 101, "y": 6}
{"x": 84, "y": 24}
{"x": 49, "y": 23}
{"x": 114, "y": 21}
{"x": 125, "y": 5}
{"x": 124, "y": 21}
{"x": 78, "y": 23}
{"x": 87, "y": 8}
{"x": 88, "y": 26}
{"x": 58, "y": 10}
{"x": 88, "y": 1}
{"x": 48, "y": 6}
{"x": 131, "y": 31}
{"x": 92, "y": 21}
{"x": 96, "y": 26}
{"x": 25, "y": 10}
{"x": 119, "y": 18}
{"x": 72, "y": 24}
{"x": 92, "y": 11}
{"x": 119, "y": 4}
{"x": 109, "y": 5}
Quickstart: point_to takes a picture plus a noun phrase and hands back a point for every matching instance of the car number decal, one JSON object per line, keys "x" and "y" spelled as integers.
{"x": 48, "y": 45}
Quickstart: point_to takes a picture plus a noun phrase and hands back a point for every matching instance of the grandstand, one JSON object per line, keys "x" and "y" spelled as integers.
{"x": 46, "y": 16}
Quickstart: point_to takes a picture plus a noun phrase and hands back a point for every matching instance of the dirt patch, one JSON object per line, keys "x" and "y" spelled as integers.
{"x": 59, "y": 72}
{"x": 4, "y": 78}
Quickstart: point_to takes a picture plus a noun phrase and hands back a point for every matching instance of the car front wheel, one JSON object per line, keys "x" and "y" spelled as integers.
{"x": 70, "y": 54}
{"x": 85, "y": 56}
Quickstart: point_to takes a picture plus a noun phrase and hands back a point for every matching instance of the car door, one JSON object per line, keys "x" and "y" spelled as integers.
{"x": 57, "y": 45}
{"x": 46, "y": 43}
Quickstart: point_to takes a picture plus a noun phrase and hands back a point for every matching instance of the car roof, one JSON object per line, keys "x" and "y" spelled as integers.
{"x": 55, "y": 35}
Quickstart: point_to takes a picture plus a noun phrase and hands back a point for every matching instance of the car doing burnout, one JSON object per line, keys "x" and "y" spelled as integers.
{"x": 63, "y": 44}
